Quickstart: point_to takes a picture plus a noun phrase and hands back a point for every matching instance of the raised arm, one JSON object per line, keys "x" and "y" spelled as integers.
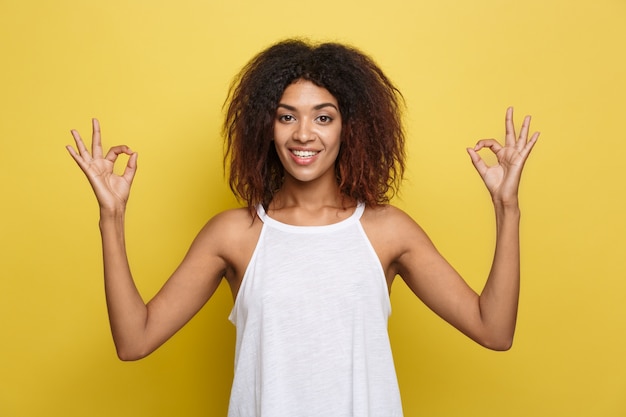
{"x": 499, "y": 298}
{"x": 137, "y": 328}
{"x": 488, "y": 318}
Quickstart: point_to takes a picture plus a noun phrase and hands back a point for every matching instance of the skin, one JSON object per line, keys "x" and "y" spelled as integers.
{"x": 308, "y": 119}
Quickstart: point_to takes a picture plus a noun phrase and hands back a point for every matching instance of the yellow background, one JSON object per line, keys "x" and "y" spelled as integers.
{"x": 156, "y": 72}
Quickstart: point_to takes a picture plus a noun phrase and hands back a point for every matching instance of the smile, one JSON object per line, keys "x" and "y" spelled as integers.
{"x": 304, "y": 154}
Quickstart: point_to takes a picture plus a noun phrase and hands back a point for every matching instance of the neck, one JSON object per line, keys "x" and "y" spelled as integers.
{"x": 312, "y": 195}
{"x": 310, "y": 205}
{"x": 296, "y": 194}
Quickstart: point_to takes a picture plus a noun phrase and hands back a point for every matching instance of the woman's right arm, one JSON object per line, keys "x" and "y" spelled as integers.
{"x": 137, "y": 328}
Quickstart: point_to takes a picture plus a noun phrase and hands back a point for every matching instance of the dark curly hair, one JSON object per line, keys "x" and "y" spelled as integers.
{"x": 370, "y": 164}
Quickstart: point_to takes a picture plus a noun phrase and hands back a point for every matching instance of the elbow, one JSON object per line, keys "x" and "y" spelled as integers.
{"x": 130, "y": 355}
{"x": 499, "y": 344}
{"x": 500, "y": 347}
{"x": 496, "y": 336}
{"x": 129, "y": 349}
{"x": 127, "y": 358}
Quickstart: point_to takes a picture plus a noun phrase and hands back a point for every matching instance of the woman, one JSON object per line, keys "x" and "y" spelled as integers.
{"x": 315, "y": 148}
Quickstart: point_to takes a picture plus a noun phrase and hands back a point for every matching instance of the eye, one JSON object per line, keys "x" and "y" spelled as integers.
{"x": 286, "y": 118}
{"x": 324, "y": 119}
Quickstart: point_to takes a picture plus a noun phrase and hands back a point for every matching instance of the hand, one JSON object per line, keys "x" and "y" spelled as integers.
{"x": 502, "y": 179}
{"x": 112, "y": 190}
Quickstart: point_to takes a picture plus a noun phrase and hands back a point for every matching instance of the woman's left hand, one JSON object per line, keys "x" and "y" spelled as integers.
{"x": 502, "y": 179}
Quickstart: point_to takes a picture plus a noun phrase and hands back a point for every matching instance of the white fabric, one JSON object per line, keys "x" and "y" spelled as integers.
{"x": 311, "y": 318}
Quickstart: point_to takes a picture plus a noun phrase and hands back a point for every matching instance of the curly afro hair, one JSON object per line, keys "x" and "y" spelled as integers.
{"x": 370, "y": 164}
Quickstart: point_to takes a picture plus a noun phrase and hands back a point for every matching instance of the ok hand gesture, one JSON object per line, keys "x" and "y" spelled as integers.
{"x": 112, "y": 190}
{"x": 502, "y": 179}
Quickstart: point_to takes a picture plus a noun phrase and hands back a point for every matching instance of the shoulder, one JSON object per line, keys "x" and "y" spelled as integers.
{"x": 387, "y": 217}
{"x": 225, "y": 232}
{"x": 230, "y": 224}
{"x": 228, "y": 238}
{"x": 403, "y": 246}
{"x": 237, "y": 217}
{"x": 390, "y": 227}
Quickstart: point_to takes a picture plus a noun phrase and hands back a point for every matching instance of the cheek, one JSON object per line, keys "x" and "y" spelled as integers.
{"x": 279, "y": 132}
{"x": 339, "y": 137}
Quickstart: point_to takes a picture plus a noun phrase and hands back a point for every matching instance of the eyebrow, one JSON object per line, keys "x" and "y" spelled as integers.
{"x": 317, "y": 107}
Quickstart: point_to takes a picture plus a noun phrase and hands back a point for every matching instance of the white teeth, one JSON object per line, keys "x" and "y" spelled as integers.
{"x": 304, "y": 154}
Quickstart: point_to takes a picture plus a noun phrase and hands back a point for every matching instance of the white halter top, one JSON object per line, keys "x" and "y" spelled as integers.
{"x": 311, "y": 317}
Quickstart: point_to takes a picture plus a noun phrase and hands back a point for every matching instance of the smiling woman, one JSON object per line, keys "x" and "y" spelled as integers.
{"x": 315, "y": 147}
{"x": 370, "y": 162}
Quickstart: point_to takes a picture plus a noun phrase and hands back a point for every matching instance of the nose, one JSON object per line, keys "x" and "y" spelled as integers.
{"x": 303, "y": 132}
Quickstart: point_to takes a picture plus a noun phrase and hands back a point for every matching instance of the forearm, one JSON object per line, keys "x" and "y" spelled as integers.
{"x": 127, "y": 310}
{"x": 499, "y": 298}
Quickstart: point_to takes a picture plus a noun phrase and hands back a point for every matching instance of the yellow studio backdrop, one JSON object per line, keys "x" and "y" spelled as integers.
{"x": 156, "y": 73}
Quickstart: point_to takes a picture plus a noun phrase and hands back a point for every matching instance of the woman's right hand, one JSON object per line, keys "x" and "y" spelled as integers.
{"x": 112, "y": 190}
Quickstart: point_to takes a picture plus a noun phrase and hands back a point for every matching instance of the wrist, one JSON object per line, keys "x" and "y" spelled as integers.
{"x": 507, "y": 212}
{"x": 111, "y": 214}
{"x": 508, "y": 204}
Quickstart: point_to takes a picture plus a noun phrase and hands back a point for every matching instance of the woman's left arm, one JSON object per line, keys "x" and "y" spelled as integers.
{"x": 499, "y": 298}
{"x": 489, "y": 317}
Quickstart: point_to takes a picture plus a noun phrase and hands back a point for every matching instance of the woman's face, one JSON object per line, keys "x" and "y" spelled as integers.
{"x": 307, "y": 131}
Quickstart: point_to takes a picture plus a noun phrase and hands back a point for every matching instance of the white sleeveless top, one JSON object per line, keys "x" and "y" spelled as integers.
{"x": 311, "y": 317}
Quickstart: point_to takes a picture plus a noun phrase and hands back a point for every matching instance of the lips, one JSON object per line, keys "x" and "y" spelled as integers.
{"x": 304, "y": 154}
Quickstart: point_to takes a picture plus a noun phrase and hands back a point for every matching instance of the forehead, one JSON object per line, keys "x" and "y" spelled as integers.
{"x": 304, "y": 92}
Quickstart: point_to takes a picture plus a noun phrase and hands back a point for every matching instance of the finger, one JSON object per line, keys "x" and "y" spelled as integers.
{"x": 509, "y": 138}
{"x": 491, "y": 144}
{"x": 523, "y": 134}
{"x": 96, "y": 140}
{"x": 115, "y": 151}
{"x": 477, "y": 161}
{"x": 131, "y": 168}
{"x": 79, "y": 159}
{"x": 80, "y": 145}
{"x": 525, "y": 151}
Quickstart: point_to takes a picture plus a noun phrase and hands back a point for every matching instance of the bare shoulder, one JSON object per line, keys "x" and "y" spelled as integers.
{"x": 230, "y": 236}
{"x": 384, "y": 211}
{"x": 230, "y": 227}
{"x": 388, "y": 220}
{"x": 233, "y": 219}
{"x": 395, "y": 237}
